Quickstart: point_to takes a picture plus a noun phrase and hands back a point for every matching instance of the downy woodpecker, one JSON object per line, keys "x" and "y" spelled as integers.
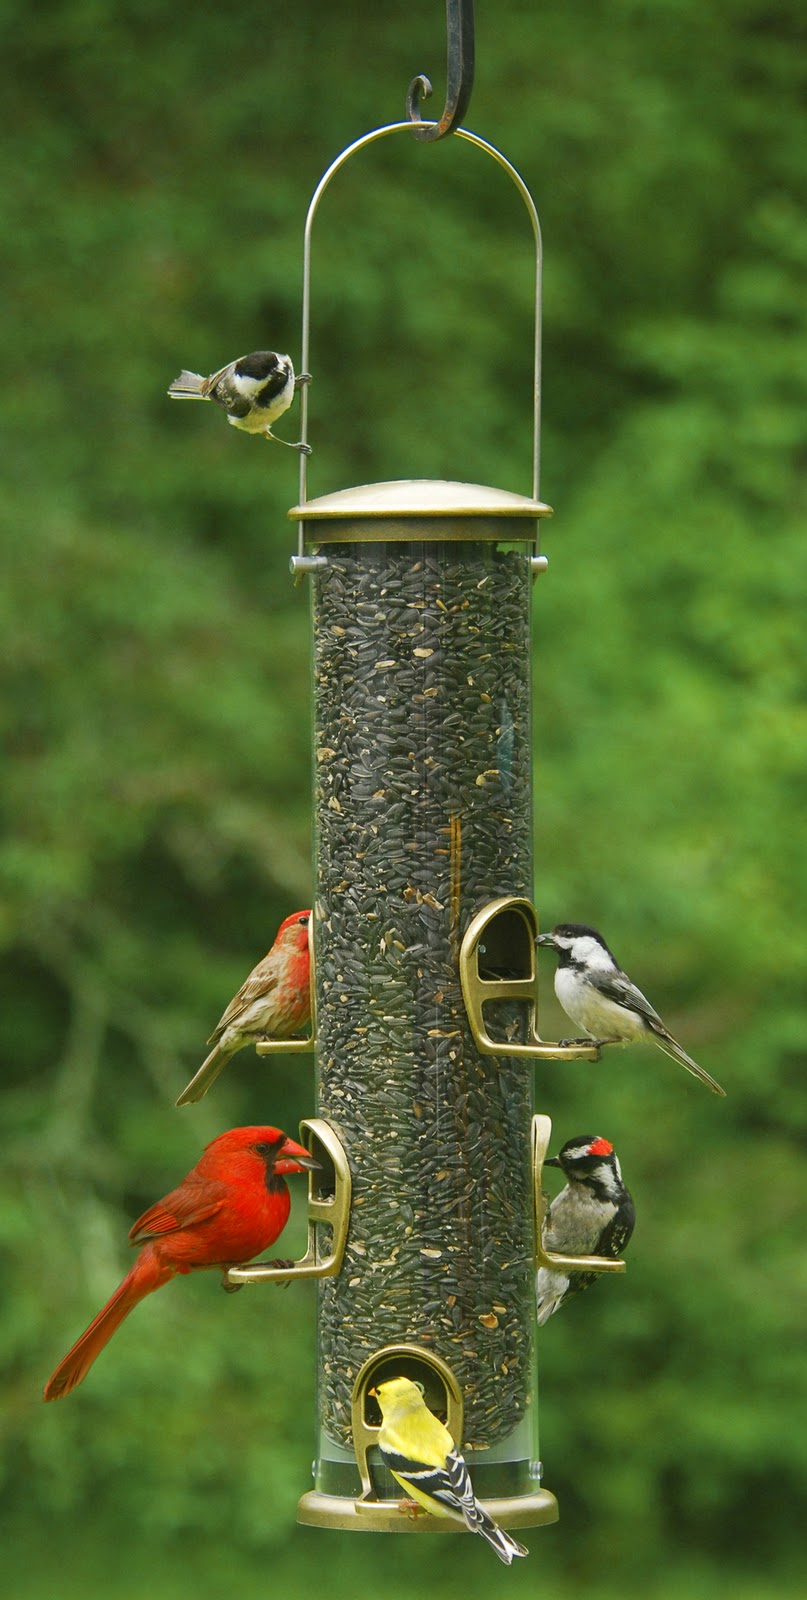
{"x": 592, "y": 1216}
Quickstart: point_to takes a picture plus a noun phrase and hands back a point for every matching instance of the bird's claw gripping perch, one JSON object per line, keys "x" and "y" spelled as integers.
{"x": 410, "y": 1508}
{"x": 229, "y": 1288}
{"x": 293, "y": 444}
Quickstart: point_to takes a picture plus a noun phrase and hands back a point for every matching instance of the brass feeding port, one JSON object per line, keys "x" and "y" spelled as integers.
{"x": 498, "y": 964}
{"x": 379, "y": 1508}
{"x": 329, "y": 1191}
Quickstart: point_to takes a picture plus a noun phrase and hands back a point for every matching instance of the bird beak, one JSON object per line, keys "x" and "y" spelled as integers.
{"x": 546, "y": 939}
{"x": 551, "y": 1161}
{"x": 293, "y": 1157}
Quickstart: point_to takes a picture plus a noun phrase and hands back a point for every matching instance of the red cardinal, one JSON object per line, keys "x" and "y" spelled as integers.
{"x": 273, "y": 1003}
{"x": 232, "y": 1205}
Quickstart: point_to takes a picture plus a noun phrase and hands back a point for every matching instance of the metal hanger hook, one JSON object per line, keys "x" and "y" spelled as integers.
{"x": 459, "y": 75}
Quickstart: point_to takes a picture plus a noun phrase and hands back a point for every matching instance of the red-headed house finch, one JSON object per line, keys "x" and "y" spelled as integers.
{"x": 273, "y": 1003}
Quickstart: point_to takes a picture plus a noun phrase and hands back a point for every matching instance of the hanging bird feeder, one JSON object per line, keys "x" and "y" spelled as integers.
{"x": 425, "y": 1212}
{"x": 424, "y": 931}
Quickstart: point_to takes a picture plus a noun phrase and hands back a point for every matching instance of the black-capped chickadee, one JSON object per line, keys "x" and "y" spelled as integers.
{"x": 254, "y": 391}
{"x": 601, "y": 998}
{"x": 592, "y": 1216}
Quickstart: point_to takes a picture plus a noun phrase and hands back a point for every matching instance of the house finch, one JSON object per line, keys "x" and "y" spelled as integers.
{"x": 273, "y": 1003}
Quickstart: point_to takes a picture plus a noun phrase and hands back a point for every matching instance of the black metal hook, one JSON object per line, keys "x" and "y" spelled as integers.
{"x": 459, "y": 74}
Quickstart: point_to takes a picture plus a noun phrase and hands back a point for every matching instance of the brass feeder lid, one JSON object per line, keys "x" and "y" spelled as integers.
{"x": 420, "y": 509}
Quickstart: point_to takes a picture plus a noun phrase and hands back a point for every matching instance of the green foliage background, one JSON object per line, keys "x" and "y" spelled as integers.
{"x": 160, "y": 158}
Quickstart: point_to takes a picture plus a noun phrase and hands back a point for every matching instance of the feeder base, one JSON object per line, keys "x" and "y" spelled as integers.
{"x": 385, "y": 1516}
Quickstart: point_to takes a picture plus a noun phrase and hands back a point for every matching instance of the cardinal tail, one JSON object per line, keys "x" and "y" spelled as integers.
{"x": 146, "y": 1275}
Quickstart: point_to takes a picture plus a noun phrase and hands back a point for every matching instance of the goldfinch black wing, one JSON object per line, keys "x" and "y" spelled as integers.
{"x": 450, "y": 1484}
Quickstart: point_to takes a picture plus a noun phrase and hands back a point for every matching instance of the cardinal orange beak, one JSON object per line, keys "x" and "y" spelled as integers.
{"x": 293, "y": 1157}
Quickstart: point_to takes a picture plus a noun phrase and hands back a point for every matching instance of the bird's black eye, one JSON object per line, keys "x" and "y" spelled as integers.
{"x": 303, "y": 921}
{"x": 268, "y": 1151}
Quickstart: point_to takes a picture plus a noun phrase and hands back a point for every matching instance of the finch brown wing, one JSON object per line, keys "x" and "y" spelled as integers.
{"x": 258, "y": 986}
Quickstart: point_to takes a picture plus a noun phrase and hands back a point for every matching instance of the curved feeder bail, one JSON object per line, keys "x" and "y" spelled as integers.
{"x": 532, "y": 509}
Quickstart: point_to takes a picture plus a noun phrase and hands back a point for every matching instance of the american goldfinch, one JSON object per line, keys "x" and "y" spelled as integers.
{"x": 592, "y": 1216}
{"x": 274, "y": 1002}
{"x": 600, "y": 997}
{"x": 424, "y": 1460}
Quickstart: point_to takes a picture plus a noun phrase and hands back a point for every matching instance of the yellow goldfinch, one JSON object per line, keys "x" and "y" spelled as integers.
{"x": 423, "y": 1458}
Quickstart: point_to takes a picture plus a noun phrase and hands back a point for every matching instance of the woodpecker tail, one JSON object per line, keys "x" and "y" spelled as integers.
{"x": 670, "y": 1046}
{"x": 550, "y": 1291}
{"x": 479, "y": 1522}
{"x": 147, "y": 1274}
{"x": 207, "y": 1074}
{"x": 189, "y": 386}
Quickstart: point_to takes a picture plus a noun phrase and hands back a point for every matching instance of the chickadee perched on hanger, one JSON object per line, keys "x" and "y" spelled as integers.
{"x": 601, "y": 998}
{"x": 254, "y": 391}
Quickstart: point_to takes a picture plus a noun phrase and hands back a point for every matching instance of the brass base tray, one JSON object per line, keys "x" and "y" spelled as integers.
{"x": 386, "y": 1516}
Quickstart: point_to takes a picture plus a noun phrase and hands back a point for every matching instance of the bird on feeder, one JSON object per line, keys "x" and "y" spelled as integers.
{"x": 254, "y": 390}
{"x": 424, "y": 1460}
{"x": 232, "y": 1205}
{"x": 274, "y": 1002}
{"x": 593, "y": 1215}
{"x": 600, "y": 997}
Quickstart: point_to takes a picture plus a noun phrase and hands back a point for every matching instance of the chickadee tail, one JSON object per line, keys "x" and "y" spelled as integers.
{"x": 188, "y": 386}
{"x": 668, "y": 1044}
{"x": 207, "y": 1074}
{"x": 479, "y": 1522}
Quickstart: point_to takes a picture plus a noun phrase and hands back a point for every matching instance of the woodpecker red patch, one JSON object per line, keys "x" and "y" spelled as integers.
{"x": 600, "y": 1147}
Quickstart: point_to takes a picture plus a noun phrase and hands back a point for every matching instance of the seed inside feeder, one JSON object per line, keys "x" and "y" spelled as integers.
{"x": 422, "y": 659}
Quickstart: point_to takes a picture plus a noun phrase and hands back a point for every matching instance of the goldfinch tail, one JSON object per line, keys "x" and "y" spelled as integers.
{"x": 506, "y": 1547}
{"x": 670, "y": 1046}
{"x": 189, "y": 386}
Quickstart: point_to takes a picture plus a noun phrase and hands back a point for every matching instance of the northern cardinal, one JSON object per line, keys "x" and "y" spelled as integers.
{"x": 273, "y": 1003}
{"x": 231, "y": 1206}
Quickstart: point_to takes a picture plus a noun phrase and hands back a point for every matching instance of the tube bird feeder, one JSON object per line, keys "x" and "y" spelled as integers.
{"x": 425, "y": 977}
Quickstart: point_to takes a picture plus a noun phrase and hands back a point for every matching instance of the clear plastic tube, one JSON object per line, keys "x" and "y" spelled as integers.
{"x": 423, "y": 815}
